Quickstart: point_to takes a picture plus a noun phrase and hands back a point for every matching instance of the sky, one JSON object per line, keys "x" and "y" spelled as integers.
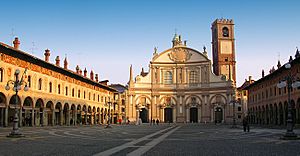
{"x": 108, "y": 36}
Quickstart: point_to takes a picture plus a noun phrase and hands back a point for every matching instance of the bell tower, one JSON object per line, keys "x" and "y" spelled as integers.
{"x": 223, "y": 48}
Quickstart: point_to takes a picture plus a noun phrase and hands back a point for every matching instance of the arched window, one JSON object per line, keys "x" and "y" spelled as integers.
{"x": 40, "y": 84}
{"x": 58, "y": 89}
{"x": 193, "y": 77}
{"x": 78, "y": 93}
{"x": 168, "y": 78}
{"x": 225, "y": 32}
{"x": 73, "y": 92}
{"x": 29, "y": 81}
{"x": 66, "y": 91}
{"x": 1, "y": 75}
{"x": 50, "y": 87}
{"x": 94, "y": 97}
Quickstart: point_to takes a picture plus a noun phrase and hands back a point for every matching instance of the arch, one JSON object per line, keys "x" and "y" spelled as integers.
{"x": 167, "y": 101}
{"x": 2, "y": 99}
{"x": 94, "y": 109}
{"x": 225, "y": 32}
{"x": 79, "y": 107}
{"x": 49, "y": 113}
{"x": 189, "y": 101}
{"x": 39, "y": 103}
{"x": 28, "y": 102}
{"x": 58, "y": 114}
{"x": 13, "y": 99}
{"x": 168, "y": 115}
{"x": 218, "y": 114}
{"x": 98, "y": 109}
{"x": 193, "y": 115}
{"x": 49, "y": 105}
{"x": 218, "y": 98}
{"x": 143, "y": 100}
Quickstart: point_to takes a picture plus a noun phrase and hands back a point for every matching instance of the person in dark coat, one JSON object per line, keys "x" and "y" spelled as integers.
{"x": 246, "y": 124}
{"x": 157, "y": 121}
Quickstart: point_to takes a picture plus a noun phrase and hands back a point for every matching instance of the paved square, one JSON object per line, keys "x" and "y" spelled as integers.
{"x": 180, "y": 139}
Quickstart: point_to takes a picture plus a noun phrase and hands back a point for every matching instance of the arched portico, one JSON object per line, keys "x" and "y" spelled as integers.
{"x": 49, "y": 113}
{"x": 58, "y": 114}
{"x": 39, "y": 113}
{"x": 3, "y": 109}
{"x": 27, "y": 112}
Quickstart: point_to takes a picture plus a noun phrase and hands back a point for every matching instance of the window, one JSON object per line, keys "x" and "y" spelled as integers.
{"x": 168, "y": 78}
{"x": 98, "y": 98}
{"x": 193, "y": 77}
{"x": 73, "y": 92}
{"x": 29, "y": 81}
{"x": 58, "y": 89}
{"x": 50, "y": 87}
{"x": 89, "y": 96}
{"x": 275, "y": 91}
{"x": 1, "y": 75}
{"x": 66, "y": 91}
{"x": 101, "y": 98}
{"x": 84, "y": 94}
{"x": 225, "y": 32}
{"x": 245, "y": 93}
{"x": 239, "y": 116}
{"x": 239, "y": 108}
{"x": 40, "y": 84}
{"x": 78, "y": 93}
{"x": 94, "y": 97}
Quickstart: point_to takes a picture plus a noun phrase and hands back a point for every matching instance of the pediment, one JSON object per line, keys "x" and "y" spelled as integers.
{"x": 179, "y": 55}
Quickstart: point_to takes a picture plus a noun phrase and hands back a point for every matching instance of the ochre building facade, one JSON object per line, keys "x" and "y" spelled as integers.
{"x": 180, "y": 85}
{"x": 56, "y": 95}
{"x": 268, "y": 104}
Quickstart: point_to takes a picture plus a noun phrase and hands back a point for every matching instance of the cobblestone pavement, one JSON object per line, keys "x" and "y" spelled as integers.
{"x": 165, "y": 139}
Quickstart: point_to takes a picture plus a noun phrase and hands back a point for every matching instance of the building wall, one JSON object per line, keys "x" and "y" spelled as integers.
{"x": 85, "y": 105}
{"x": 267, "y": 104}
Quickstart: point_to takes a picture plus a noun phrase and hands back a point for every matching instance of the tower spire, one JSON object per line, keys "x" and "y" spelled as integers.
{"x": 130, "y": 83}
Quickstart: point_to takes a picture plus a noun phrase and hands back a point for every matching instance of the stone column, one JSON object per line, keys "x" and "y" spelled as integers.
{"x": 20, "y": 117}
{"x": 75, "y": 117}
{"x": 32, "y": 117}
{"x": 85, "y": 117}
{"x": 187, "y": 114}
{"x": 199, "y": 114}
{"x": 61, "y": 117}
{"x": 53, "y": 117}
{"x": 6, "y": 116}
{"x": 174, "y": 114}
{"x": 68, "y": 117}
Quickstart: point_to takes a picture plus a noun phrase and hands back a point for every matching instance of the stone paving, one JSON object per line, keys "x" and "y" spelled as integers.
{"x": 164, "y": 139}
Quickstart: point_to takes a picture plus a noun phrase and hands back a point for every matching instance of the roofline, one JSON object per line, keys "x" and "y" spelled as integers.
{"x": 8, "y": 50}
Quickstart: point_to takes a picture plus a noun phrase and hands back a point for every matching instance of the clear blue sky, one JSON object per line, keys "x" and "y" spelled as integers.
{"x": 108, "y": 36}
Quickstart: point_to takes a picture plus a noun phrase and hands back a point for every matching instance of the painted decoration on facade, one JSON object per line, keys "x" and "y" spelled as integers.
{"x": 180, "y": 55}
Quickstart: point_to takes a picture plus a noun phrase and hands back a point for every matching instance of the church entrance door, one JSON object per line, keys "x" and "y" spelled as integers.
{"x": 193, "y": 115}
{"x": 218, "y": 115}
{"x": 144, "y": 115}
{"x": 168, "y": 115}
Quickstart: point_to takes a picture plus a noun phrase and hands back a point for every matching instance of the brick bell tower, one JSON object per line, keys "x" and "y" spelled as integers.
{"x": 223, "y": 48}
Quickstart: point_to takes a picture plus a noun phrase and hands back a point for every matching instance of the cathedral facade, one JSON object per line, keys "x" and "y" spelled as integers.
{"x": 180, "y": 85}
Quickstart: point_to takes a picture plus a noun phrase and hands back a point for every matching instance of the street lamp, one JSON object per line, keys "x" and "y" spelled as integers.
{"x": 288, "y": 81}
{"x": 109, "y": 112}
{"x": 234, "y": 101}
{"x": 16, "y": 87}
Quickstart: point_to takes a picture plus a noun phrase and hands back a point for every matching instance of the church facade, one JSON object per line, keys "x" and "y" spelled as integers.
{"x": 180, "y": 85}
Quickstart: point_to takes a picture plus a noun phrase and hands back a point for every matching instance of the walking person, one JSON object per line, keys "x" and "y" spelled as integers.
{"x": 157, "y": 121}
{"x": 246, "y": 124}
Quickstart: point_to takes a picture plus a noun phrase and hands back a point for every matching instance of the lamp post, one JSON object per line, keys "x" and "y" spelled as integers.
{"x": 16, "y": 87}
{"x": 109, "y": 112}
{"x": 288, "y": 81}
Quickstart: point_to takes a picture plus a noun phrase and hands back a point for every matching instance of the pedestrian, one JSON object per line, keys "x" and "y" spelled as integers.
{"x": 246, "y": 124}
{"x": 153, "y": 121}
{"x": 157, "y": 121}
